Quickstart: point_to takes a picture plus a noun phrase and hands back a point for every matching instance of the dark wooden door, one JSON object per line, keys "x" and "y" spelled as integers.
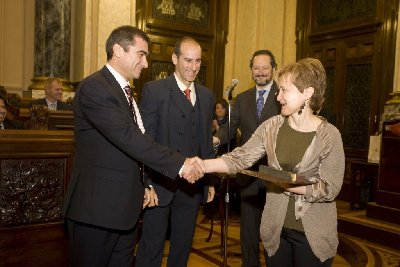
{"x": 355, "y": 40}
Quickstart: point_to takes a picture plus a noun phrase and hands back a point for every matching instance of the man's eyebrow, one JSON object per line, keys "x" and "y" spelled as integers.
{"x": 144, "y": 52}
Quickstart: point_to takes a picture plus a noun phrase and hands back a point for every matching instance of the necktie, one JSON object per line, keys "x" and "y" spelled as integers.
{"x": 52, "y": 106}
{"x": 260, "y": 102}
{"x": 135, "y": 111}
{"x": 130, "y": 100}
{"x": 187, "y": 94}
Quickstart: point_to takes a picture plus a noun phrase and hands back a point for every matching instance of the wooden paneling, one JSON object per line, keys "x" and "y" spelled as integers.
{"x": 167, "y": 21}
{"x": 35, "y": 167}
{"x": 355, "y": 40}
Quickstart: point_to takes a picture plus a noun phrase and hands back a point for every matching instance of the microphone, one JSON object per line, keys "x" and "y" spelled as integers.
{"x": 230, "y": 87}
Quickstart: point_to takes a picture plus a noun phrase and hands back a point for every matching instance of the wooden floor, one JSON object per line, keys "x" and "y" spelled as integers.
{"x": 352, "y": 251}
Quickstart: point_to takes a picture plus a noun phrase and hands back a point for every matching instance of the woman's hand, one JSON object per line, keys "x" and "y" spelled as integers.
{"x": 215, "y": 125}
{"x": 300, "y": 190}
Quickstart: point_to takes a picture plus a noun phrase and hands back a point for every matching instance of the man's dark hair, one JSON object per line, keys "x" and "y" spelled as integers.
{"x": 178, "y": 44}
{"x": 124, "y": 36}
{"x": 264, "y": 52}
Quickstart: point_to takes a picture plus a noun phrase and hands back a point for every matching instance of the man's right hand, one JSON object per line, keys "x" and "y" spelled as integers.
{"x": 193, "y": 169}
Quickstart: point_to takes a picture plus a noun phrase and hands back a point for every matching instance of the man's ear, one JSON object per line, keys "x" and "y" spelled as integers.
{"x": 174, "y": 59}
{"x": 117, "y": 50}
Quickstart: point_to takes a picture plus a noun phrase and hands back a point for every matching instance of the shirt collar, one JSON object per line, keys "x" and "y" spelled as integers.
{"x": 267, "y": 87}
{"x": 121, "y": 80}
{"x": 49, "y": 103}
{"x": 183, "y": 87}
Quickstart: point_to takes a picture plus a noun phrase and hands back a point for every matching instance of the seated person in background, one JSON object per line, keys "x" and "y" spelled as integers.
{"x": 6, "y": 123}
{"x": 53, "y": 90}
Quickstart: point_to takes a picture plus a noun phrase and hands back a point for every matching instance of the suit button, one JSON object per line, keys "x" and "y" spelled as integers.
{"x": 180, "y": 134}
{"x": 183, "y": 116}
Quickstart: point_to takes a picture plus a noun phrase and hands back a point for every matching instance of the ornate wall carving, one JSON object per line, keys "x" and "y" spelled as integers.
{"x": 334, "y": 11}
{"x": 193, "y": 12}
{"x": 31, "y": 190}
{"x": 357, "y": 106}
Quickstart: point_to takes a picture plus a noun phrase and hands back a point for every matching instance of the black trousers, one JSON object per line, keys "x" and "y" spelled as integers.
{"x": 295, "y": 251}
{"x": 182, "y": 214}
{"x": 96, "y": 246}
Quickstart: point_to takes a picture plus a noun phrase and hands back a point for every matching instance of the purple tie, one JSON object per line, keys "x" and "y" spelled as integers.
{"x": 260, "y": 102}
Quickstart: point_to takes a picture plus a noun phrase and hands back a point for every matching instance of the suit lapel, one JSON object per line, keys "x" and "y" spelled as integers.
{"x": 116, "y": 88}
{"x": 177, "y": 97}
{"x": 202, "y": 107}
{"x": 252, "y": 103}
{"x": 269, "y": 101}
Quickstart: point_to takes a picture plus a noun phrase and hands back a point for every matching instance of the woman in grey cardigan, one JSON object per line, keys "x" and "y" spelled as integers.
{"x": 299, "y": 224}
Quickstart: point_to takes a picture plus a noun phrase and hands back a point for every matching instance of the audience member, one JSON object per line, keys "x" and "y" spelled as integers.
{"x": 6, "y": 123}
{"x": 53, "y": 90}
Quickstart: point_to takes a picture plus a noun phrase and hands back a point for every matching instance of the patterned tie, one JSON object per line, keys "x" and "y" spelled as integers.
{"x": 187, "y": 94}
{"x": 128, "y": 92}
{"x": 260, "y": 102}
{"x": 52, "y": 106}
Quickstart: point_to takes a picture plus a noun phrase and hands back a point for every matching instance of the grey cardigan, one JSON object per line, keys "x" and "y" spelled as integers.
{"x": 323, "y": 161}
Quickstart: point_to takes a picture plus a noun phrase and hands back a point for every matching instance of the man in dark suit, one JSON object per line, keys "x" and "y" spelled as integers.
{"x": 105, "y": 194}
{"x": 53, "y": 90}
{"x": 249, "y": 111}
{"x": 178, "y": 113}
{"x": 6, "y": 123}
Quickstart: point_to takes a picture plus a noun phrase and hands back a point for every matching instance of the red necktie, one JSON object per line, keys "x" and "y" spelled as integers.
{"x": 128, "y": 93}
{"x": 187, "y": 94}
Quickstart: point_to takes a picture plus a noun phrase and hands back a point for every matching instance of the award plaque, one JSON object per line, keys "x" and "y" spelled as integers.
{"x": 278, "y": 176}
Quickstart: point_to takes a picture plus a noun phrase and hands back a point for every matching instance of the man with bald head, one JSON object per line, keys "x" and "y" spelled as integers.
{"x": 177, "y": 112}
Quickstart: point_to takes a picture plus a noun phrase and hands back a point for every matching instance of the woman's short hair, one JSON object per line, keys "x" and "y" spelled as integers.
{"x": 223, "y": 103}
{"x": 305, "y": 73}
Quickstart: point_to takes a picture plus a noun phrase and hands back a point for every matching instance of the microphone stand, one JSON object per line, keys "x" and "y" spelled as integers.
{"x": 227, "y": 182}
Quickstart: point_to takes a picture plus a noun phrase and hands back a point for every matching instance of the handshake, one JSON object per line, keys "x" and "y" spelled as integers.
{"x": 193, "y": 169}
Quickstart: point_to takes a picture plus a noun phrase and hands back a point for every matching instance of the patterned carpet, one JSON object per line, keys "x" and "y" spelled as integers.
{"x": 351, "y": 252}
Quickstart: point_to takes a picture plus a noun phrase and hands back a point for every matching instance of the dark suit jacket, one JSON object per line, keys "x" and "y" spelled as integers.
{"x": 159, "y": 98}
{"x": 106, "y": 188}
{"x": 13, "y": 124}
{"x": 60, "y": 104}
{"x": 244, "y": 117}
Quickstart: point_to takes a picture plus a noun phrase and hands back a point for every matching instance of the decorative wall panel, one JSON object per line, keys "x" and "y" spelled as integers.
{"x": 330, "y": 75}
{"x": 357, "y": 106}
{"x": 193, "y": 12}
{"x": 334, "y": 11}
{"x": 31, "y": 190}
{"x": 161, "y": 70}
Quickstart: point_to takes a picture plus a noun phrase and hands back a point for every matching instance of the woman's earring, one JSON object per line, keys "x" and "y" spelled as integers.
{"x": 301, "y": 108}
